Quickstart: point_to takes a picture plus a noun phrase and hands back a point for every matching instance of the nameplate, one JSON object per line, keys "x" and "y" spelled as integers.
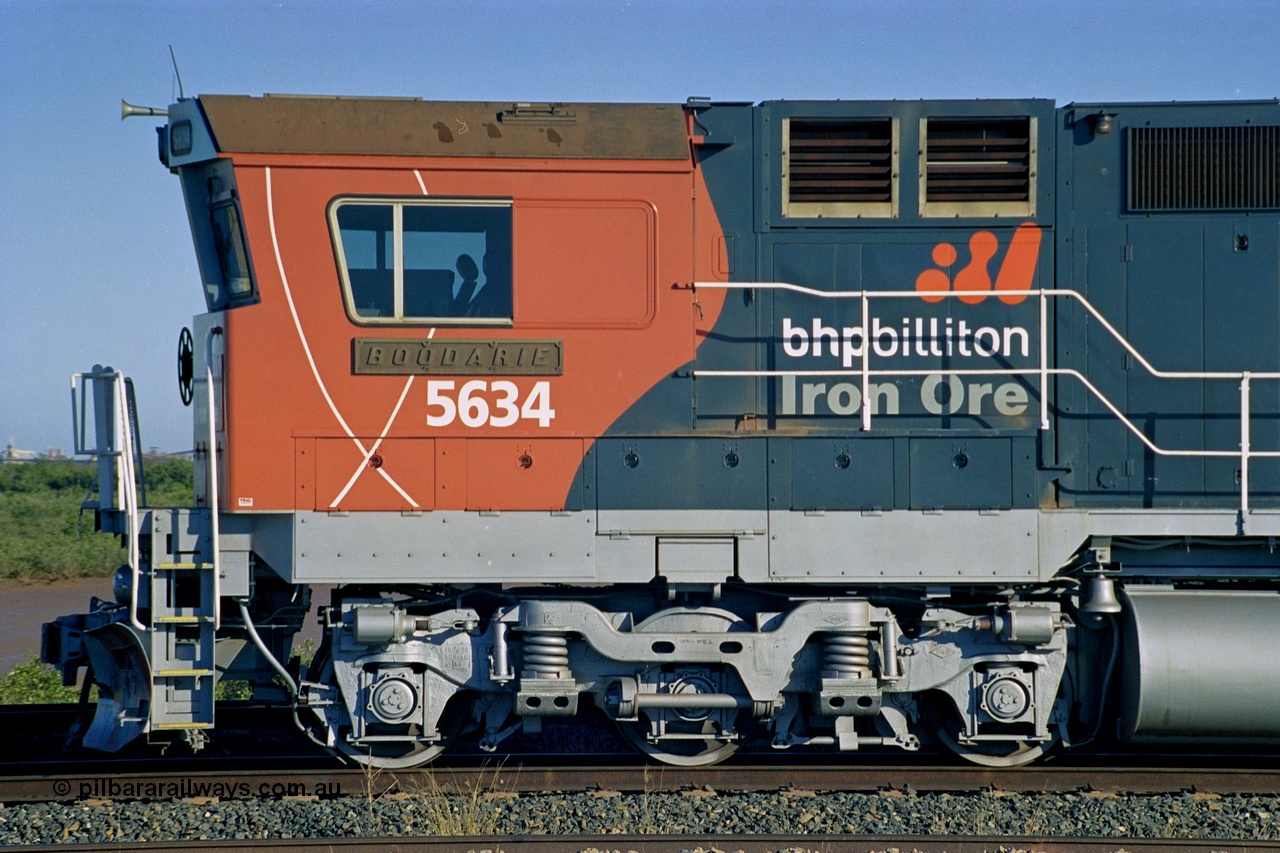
{"x": 403, "y": 356}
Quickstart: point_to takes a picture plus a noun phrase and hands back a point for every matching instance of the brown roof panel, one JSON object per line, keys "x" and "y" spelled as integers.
{"x": 289, "y": 124}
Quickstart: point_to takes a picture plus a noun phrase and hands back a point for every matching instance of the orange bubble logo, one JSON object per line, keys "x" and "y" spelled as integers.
{"x": 973, "y": 282}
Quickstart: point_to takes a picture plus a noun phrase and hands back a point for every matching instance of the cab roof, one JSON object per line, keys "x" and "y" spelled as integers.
{"x": 290, "y": 124}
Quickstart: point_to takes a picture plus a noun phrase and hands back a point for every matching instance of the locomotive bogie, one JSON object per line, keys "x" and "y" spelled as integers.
{"x": 684, "y": 683}
{"x": 814, "y": 425}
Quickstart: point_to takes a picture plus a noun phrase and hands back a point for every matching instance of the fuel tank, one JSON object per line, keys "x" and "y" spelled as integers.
{"x": 1201, "y": 665}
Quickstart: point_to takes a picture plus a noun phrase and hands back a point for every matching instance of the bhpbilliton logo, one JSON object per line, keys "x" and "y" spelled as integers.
{"x": 974, "y": 281}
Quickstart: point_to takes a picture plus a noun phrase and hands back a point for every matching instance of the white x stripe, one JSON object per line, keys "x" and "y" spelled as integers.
{"x": 360, "y": 469}
{"x": 315, "y": 372}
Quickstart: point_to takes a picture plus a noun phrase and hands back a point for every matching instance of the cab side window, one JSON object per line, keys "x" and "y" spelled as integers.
{"x": 438, "y": 261}
{"x": 369, "y": 259}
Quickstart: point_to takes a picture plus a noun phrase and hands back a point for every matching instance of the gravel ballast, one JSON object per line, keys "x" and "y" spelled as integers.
{"x": 893, "y": 812}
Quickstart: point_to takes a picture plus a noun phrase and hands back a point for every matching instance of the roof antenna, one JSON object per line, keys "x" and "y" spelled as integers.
{"x": 181, "y": 95}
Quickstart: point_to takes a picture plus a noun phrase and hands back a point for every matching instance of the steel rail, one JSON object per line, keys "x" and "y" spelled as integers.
{"x": 670, "y": 843}
{"x": 528, "y": 779}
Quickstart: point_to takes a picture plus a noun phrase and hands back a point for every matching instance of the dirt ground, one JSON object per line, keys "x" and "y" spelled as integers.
{"x": 26, "y": 606}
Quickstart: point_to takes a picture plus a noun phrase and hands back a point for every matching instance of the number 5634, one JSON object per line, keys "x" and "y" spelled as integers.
{"x": 479, "y": 402}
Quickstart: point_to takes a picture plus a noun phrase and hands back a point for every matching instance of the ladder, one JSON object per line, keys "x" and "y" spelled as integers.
{"x": 183, "y": 623}
{"x": 173, "y": 604}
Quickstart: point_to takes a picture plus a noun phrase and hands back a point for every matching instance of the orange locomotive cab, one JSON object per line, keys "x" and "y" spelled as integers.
{"x": 353, "y": 384}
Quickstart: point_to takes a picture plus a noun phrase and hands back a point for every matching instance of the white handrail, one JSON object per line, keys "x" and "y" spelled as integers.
{"x": 1044, "y": 361}
{"x": 121, "y": 447}
{"x": 1043, "y": 370}
{"x": 1245, "y": 451}
{"x": 214, "y": 507}
{"x": 952, "y": 294}
{"x": 128, "y": 490}
{"x": 866, "y": 365}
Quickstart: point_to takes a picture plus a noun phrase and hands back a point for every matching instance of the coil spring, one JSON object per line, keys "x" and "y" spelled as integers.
{"x": 546, "y": 655}
{"x": 847, "y": 655}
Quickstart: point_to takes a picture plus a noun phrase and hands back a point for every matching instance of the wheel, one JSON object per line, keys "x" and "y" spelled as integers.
{"x": 396, "y": 755}
{"x": 680, "y": 753}
{"x": 1005, "y": 754}
{"x": 697, "y": 745}
{"x": 1013, "y": 753}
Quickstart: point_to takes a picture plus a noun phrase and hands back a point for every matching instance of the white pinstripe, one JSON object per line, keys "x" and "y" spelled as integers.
{"x": 315, "y": 371}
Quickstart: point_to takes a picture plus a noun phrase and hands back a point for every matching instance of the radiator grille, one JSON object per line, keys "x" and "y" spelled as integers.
{"x": 1204, "y": 168}
{"x": 978, "y": 160}
{"x": 840, "y": 161}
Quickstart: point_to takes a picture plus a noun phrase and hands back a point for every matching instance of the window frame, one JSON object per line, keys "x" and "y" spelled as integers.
{"x": 398, "y": 205}
{"x": 226, "y": 298}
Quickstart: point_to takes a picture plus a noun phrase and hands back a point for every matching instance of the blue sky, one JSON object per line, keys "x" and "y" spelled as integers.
{"x": 96, "y": 264}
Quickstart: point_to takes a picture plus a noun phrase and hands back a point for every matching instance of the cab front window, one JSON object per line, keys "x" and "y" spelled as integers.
{"x": 233, "y": 260}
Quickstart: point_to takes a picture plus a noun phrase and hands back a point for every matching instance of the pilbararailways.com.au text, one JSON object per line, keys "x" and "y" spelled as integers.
{"x": 184, "y": 788}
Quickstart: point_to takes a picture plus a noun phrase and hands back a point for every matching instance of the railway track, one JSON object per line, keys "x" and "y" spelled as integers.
{"x": 563, "y": 808}
{"x": 225, "y": 783}
{"x": 251, "y": 733}
{"x": 519, "y": 787}
{"x": 727, "y": 843}
{"x": 38, "y": 769}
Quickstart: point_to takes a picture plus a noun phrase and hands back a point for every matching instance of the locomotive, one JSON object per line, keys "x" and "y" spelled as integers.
{"x": 824, "y": 425}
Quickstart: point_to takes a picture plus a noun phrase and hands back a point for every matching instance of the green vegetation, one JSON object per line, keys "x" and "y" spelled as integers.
{"x": 43, "y": 536}
{"x": 34, "y": 683}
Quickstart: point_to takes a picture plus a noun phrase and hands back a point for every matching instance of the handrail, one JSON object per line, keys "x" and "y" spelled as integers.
{"x": 214, "y": 507}
{"x": 129, "y": 493}
{"x": 121, "y": 448}
{"x": 1042, "y": 370}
